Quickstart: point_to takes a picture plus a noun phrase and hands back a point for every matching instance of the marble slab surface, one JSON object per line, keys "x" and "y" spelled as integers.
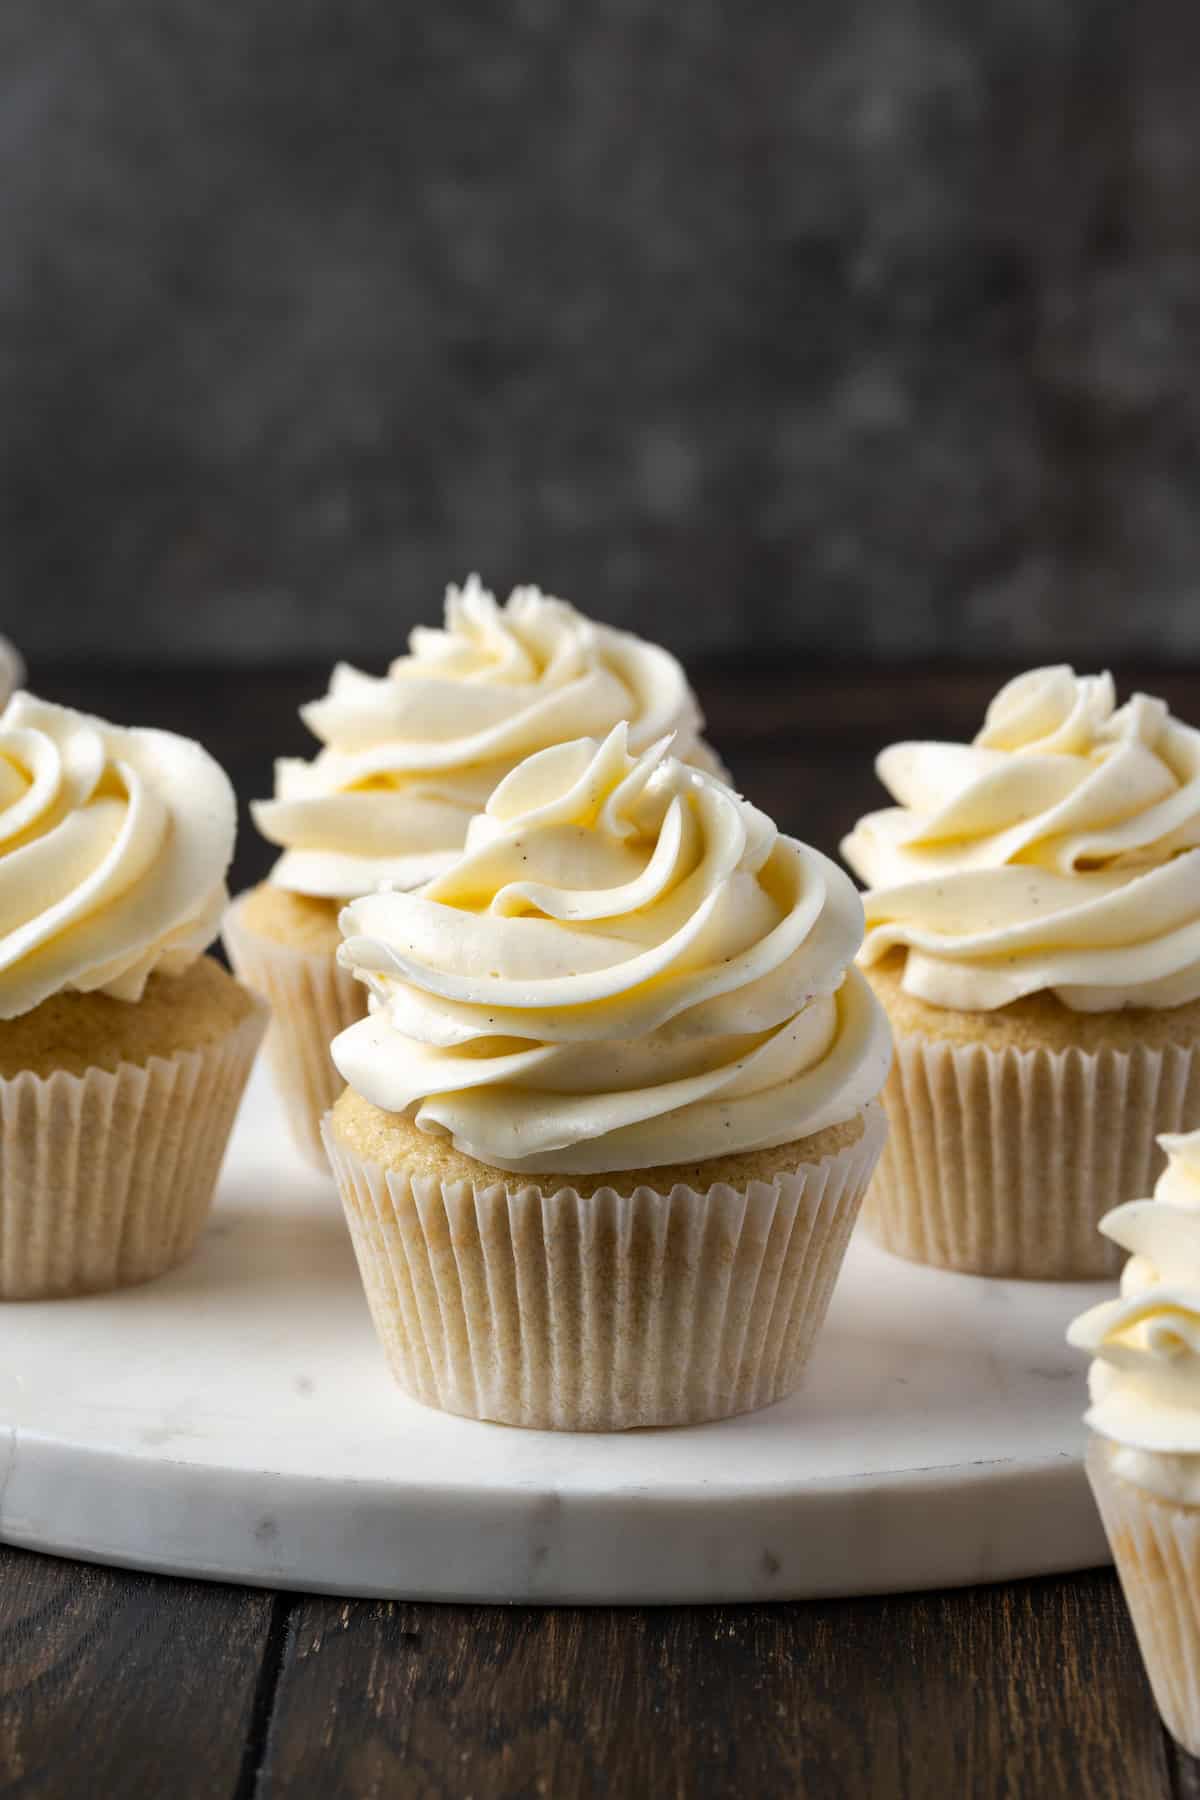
{"x": 236, "y": 1421}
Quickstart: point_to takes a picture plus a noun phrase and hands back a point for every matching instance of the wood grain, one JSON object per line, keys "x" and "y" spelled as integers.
{"x": 1030, "y": 1689}
{"x": 1185, "y": 1773}
{"x": 124, "y": 1686}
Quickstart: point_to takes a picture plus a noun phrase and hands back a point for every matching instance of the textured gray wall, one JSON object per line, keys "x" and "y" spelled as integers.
{"x": 823, "y": 324}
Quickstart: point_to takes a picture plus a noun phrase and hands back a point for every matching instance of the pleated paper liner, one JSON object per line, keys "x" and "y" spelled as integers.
{"x": 1003, "y": 1161}
{"x": 1156, "y": 1547}
{"x": 603, "y": 1312}
{"x": 312, "y": 999}
{"x": 106, "y": 1179}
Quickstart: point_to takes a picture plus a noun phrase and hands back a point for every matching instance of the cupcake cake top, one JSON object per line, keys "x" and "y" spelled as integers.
{"x": 1059, "y": 852}
{"x": 1145, "y": 1381}
{"x": 113, "y": 850}
{"x": 628, "y": 966}
{"x": 409, "y": 757}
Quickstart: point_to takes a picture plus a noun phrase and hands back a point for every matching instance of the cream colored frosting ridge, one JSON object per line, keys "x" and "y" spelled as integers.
{"x": 628, "y": 966}
{"x": 1145, "y": 1380}
{"x": 409, "y": 758}
{"x": 1059, "y": 852}
{"x": 113, "y": 850}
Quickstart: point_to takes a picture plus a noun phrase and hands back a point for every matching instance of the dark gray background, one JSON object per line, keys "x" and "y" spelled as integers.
{"x": 827, "y": 325}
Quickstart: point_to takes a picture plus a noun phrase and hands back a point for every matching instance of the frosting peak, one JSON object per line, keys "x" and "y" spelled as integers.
{"x": 408, "y": 758}
{"x": 1059, "y": 851}
{"x": 113, "y": 850}
{"x": 626, "y": 967}
{"x": 1145, "y": 1381}
{"x": 1050, "y": 710}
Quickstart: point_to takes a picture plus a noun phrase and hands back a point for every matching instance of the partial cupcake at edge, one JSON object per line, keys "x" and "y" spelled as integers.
{"x": 614, "y": 1107}
{"x": 1144, "y": 1457}
{"x": 406, "y": 760}
{"x": 1033, "y": 932}
{"x": 124, "y": 1050}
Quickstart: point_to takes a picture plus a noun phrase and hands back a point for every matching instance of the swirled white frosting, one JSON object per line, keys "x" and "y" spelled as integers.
{"x": 113, "y": 850}
{"x": 1145, "y": 1381}
{"x": 627, "y": 966}
{"x": 1058, "y": 852}
{"x": 409, "y": 758}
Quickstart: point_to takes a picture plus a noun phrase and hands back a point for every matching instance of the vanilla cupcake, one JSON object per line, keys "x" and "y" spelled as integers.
{"x": 1144, "y": 1458}
{"x": 613, "y": 1111}
{"x": 123, "y": 1050}
{"x": 1033, "y": 931}
{"x": 407, "y": 759}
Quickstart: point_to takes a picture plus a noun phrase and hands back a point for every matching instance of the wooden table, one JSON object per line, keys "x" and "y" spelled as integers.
{"x": 123, "y": 1685}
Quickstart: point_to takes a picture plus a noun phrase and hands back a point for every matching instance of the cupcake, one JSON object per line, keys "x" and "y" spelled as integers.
{"x": 406, "y": 761}
{"x": 614, "y": 1107}
{"x": 123, "y": 1050}
{"x": 1144, "y": 1458}
{"x": 1033, "y": 931}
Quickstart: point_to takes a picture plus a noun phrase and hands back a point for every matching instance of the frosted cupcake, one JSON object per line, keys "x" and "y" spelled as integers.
{"x": 407, "y": 759}
{"x": 1033, "y": 931}
{"x": 123, "y": 1050}
{"x": 1144, "y": 1459}
{"x": 613, "y": 1111}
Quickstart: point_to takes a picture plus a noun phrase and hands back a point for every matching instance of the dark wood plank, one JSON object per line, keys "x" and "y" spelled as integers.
{"x": 787, "y": 702}
{"x": 1185, "y": 1772}
{"x": 1034, "y": 1688}
{"x": 814, "y": 792}
{"x": 125, "y": 1686}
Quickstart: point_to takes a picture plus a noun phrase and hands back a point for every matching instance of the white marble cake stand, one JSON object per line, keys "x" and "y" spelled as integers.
{"x": 236, "y": 1421}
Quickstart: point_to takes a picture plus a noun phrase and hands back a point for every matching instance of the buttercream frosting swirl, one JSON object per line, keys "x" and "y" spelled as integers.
{"x": 409, "y": 758}
{"x": 1145, "y": 1380}
{"x": 628, "y": 966}
{"x": 113, "y": 850}
{"x": 1059, "y": 852}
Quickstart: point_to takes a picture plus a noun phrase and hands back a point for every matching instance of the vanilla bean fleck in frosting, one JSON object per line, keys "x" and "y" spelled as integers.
{"x": 1145, "y": 1381}
{"x": 628, "y": 966}
{"x": 1059, "y": 852}
{"x": 113, "y": 850}
{"x": 409, "y": 758}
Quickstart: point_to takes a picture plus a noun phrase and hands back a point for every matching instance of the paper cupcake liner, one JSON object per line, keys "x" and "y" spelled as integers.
{"x": 1003, "y": 1162}
{"x": 1156, "y": 1547}
{"x": 312, "y": 999}
{"x": 602, "y": 1312}
{"x": 106, "y": 1179}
